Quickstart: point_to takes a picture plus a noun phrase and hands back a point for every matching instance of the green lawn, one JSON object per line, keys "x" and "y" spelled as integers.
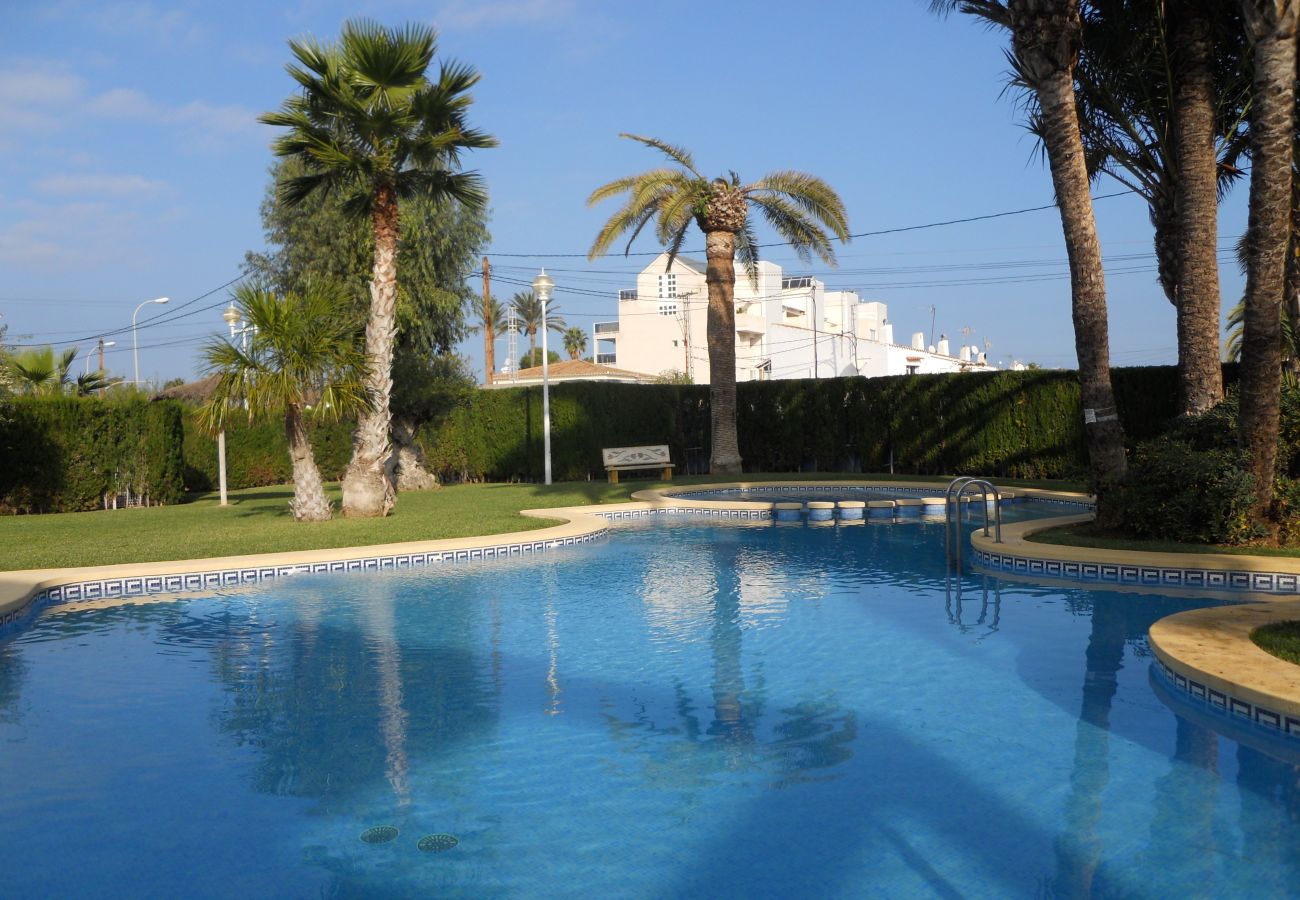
{"x": 1282, "y": 639}
{"x": 1086, "y": 534}
{"x": 258, "y": 521}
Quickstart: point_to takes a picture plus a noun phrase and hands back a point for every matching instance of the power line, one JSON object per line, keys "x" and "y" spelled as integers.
{"x": 877, "y": 233}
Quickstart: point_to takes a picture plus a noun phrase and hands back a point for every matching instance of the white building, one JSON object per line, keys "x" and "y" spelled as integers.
{"x": 786, "y": 327}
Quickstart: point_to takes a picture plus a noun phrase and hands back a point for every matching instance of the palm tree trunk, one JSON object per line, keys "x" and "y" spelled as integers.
{"x": 409, "y": 473}
{"x": 1054, "y": 85}
{"x": 1200, "y": 367}
{"x": 366, "y": 488}
{"x": 1271, "y": 25}
{"x": 720, "y": 251}
{"x": 532, "y": 346}
{"x": 309, "y": 503}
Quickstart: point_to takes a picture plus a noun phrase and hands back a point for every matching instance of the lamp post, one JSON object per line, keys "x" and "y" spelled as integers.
{"x": 236, "y": 324}
{"x": 542, "y": 286}
{"x": 102, "y": 344}
{"x": 135, "y": 344}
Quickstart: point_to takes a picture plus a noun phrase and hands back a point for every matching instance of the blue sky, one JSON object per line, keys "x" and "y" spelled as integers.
{"x": 131, "y": 164}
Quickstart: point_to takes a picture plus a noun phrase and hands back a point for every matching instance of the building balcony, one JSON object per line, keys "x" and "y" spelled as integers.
{"x": 749, "y": 323}
{"x": 606, "y": 359}
{"x": 605, "y": 330}
{"x": 627, "y": 294}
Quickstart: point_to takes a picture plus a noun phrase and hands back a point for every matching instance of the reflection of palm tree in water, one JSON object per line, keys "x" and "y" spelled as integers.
{"x": 1116, "y": 618}
{"x": 814, "y": 734}
{"x": 378, "y": 622}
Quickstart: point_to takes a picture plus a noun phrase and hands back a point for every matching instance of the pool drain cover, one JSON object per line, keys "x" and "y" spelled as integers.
{"x": 436, "y": 843}
{"x": 380, "y": 834}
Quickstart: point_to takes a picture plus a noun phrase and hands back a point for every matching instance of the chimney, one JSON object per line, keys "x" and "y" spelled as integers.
{"x": 965, "y": 354}
{"x": 918, "y": 340}
{"x": 943, "y": 345}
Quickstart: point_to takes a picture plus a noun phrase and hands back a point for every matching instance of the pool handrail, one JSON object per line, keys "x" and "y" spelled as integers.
{"x": 951, "y": 501}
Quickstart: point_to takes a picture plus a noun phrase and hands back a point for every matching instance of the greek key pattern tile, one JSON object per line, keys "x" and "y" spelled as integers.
{"x": 1143, "y": 576}
{"x": 615, "y": 515}
{"x": 1229, "y": 705}
{"x": 135, "y": 586}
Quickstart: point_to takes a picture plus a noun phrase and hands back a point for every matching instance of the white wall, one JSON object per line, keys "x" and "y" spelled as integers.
{"x": 774, "y": 326}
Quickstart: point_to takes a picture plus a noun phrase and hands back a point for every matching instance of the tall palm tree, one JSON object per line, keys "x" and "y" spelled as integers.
{"x": 492, "y": 322}
{"x": 799, "y": 207}
{"x": 1161, "y": 91}
{"x": 304, "y": 359}
{"x": 575, "y": 342}
{"x": 1271, "y": 29}
{"x": 1045, "y": 39}
{"x": 369, "y": 123}
{"x": 528, "y": 311}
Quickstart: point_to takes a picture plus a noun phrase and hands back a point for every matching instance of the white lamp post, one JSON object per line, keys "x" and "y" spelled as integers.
{"x": 542, "y": 286}
{"x": 135, "y": 344}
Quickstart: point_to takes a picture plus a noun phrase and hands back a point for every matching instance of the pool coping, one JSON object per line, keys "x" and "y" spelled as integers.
{"x": 1208, "y": 655}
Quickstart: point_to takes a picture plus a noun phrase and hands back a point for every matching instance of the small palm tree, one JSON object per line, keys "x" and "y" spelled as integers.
{"x": 799, "y": 207}
{"x": 40, "y": 372}
{"x": 304, "y": 358}
{"x": 528, "y": 310}
{"x": 575, "y": 342}
{"x": 370, "y": 124}
{"x": 492, "y": 323}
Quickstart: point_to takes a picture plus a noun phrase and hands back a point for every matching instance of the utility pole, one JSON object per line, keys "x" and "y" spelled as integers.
{"x": 489, "y": 335}
{"x": 101, "y": 354}
{"x": 684, "y": 322}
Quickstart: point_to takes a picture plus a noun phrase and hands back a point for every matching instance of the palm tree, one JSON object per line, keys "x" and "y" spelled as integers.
{"x": 304, "y": 359}
{"x": 369, "y": 123}
{"x": 40, "y": 372}
{"x": 1160, "y": 94}
{"x": 575, "y": 342}
{"x": 528, "y": 311}
{"x": 492, "y": 322}
{"x": 1271, "y": 28}
{"x": 799, "y": 207}
{"x": 1045, "y": 39}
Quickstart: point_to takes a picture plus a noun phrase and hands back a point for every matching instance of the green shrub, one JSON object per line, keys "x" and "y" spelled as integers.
{"x": 1007, "y": 424}
{"x": 68, "y": 453}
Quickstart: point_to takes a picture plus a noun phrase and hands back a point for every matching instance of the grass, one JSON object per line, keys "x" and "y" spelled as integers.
{"x": 1282, "y": 639}
{"x": 1087, "y": 534}
{"x": 258, "y": 521}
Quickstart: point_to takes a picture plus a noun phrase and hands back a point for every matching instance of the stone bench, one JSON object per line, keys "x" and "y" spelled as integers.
{"x": 628, "y": 459}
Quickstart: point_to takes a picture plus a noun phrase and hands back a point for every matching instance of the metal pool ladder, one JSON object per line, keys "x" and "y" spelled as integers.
{"x": 952, "y": 539}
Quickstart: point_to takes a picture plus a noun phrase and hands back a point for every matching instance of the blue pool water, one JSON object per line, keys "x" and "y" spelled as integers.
{"x": 684, "y": 709}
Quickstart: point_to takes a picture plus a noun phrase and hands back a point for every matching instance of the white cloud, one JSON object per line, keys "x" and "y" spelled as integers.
{"x": 53, "y": 235}
{"x": 489, "y": 13}
{"x": 110, "y": 185}
{"x": 44, "y": 102}
{"x": 133, "y": 18}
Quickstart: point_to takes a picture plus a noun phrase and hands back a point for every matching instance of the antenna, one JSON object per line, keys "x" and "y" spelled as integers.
{"x": 512, "y": 343}
{"x": 933, "y": 312}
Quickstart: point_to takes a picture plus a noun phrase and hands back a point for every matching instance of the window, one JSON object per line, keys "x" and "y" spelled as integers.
{"x": 792, "y": 282}
{"x": 667, "y": 309}
{"x": 668, "y": 286}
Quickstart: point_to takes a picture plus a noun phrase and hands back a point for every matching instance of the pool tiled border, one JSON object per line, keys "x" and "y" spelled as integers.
{"x": 23, "y": 593}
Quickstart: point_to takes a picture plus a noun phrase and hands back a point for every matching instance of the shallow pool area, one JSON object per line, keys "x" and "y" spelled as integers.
{"x": 721, "y": 709}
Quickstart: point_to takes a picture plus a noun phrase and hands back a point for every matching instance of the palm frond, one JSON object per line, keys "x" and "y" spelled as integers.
{"x": 676, "y": 154}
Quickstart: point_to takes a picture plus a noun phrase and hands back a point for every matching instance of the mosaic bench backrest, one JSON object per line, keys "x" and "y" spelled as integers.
{"x": 650, "y": 457}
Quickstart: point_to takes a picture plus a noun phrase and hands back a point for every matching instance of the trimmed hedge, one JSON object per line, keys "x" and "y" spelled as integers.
{"x": 258, "y": 454}
{"x": 66, "y": 454}
{"x": 1010, "y": 424}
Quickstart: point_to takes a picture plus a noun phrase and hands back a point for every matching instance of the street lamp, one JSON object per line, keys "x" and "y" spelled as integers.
{"x": 542, "y": 287}
{"x": 135, "y": 344}
{"x": 102, "y": 344}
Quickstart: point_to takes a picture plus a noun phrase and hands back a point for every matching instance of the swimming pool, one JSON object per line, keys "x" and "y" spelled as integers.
{"x": 685, "y": 708}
